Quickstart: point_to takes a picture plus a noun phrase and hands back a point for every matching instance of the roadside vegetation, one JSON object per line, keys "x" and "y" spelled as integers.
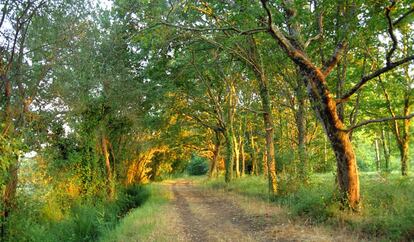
{"x": 80, "y": 220}
{"x": 145, "y": 221}
{"x": 387, "y": 201}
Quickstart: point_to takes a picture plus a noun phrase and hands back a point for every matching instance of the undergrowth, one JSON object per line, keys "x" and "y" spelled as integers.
{"x": 84, "y": 220}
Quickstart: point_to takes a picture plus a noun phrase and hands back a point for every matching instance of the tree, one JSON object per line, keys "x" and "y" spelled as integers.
{"x": 320, "y": 95}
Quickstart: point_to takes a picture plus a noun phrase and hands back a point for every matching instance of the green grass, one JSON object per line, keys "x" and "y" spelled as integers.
{"x": 387, "y": 202}
{"x": 142, "y": 221}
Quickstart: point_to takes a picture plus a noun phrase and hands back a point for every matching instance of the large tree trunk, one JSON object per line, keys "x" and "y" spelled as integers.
{"x": 216, "y": 151}
{"x": 347, "y": 171}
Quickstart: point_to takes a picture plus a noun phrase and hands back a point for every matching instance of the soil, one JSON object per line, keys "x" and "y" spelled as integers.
{"x": 217, "y": 216}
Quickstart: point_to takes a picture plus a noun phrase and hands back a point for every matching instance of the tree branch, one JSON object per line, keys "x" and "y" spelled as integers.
{"x": 269, "y": 14}
{"x": 198, "y": 120}
{"x": 410, "y": 11}
{"x": 395, "y": 126}
{"x": 230, "y": 28}
{"x": 336, "y": 56}
{"x": 380, "y": 120}
{"x": 391, "y": 32}
{"x": 319, "y": 35}
{"x": 373, "y": 75}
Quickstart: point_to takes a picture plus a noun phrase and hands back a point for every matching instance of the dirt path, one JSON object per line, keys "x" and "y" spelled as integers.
{"x": 215, "y": 216}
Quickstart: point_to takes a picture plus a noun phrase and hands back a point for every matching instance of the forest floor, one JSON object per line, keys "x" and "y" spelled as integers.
{"x": 194, "y": 213}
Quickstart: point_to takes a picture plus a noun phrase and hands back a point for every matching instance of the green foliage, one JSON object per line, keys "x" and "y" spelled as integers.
{"x": 197, "y": 166}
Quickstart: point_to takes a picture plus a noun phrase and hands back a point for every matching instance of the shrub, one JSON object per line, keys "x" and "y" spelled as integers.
{"x": 131, "y": 197}
{"x": 197, "y": 166}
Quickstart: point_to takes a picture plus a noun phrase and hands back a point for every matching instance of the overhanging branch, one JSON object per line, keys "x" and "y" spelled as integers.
{"x": 380, "y": 120}
{"x": 206, "y": 29}
{"x": 391, "y": 32}
{"x": 336, "y": 56}
{"x": 373, "y": 75}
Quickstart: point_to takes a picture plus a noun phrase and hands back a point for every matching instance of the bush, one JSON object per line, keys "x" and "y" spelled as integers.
{"x": 131, "y": 197}
{"x": 316, "y": 202}
{"x": 197, "y": 166}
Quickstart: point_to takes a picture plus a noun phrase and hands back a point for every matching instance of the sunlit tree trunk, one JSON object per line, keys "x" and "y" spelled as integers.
{"x": 243, "y": 157}
{"x": 347, "y": 171}
{"x": 377, "y": 155}
{"x": 255, "y": 170}
{"x": 216, "y": 151}
{"x": 231, "y": 103}
{"x": 105, "y": 151}
{"x": 236, "y": 155}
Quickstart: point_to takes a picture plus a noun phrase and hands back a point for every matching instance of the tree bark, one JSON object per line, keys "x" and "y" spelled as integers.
{"x": 347, "y": 170}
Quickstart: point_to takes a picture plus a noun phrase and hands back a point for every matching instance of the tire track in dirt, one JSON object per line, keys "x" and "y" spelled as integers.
{"x": 192, "y": 226}
{"x": 207, "y": 217}
{"x": 214, "y": 216}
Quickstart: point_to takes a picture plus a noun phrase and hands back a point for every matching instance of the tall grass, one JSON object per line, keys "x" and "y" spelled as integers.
{"x": 387, "y": 202}
{"x": 84, "y": 221}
